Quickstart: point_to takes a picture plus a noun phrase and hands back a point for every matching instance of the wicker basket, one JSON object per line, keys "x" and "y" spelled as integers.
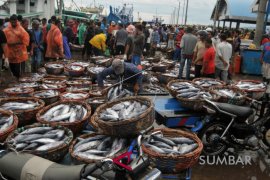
{"x": 54, "y": 154}
{"x": 95, "y": 92}
{"x": 95, "y": 105}
{"x": 75, "y": 127}
{"x": 35, "y": 86}
{"x": 74, "y": 73}
{"x": 125, "y": 128}
{"x": 225, "y": 99}
{"x": 54, "y": 71}
{"x": 175, "y": 163}
{"x": 25, "y": 117}
{"x": 25, "y": 92}
{"x": 4, "y": 134}
{"x": 79, "y": 83}
{"x": 81, "y": 99}
{"x": 56, "y": 80}
{"x": 30, "y": 79}
{"x": 48, "y": 100}
{"x": 254, "y": 94}
{"x": 61, "y": 88}
{"x": 165, "y": 79}
{"x": 198, "y": 79}
{"x": 91, "y": 73}
{"x": 173, "y": 92}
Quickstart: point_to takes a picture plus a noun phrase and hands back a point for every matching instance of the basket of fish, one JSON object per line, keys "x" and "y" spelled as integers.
{"x": 124, "y": 117}
{"x": 172, "y": 151}
{"x": 74, "y": 70}
{"x": 207, "y": 83}
{"x": 96, "y": 58}
{"x": 54, "y": 68}
{"x": 90, "y": 148}
{"x": 33, "y": 85}
{"x": 96, "y": 102}
{"x": 254, "y": 89}
{"x": 145, "y": 65}
{"x": 165, "y": 78}
{"x": 8, "y": 124}
{"x": 97, "y": 92}
{"x": 84, "y": 64}
{"x": 42, "y": 140}
{"x": 48, "y": 96}
{"x": 170, "y": 64}
{"x": 177, "y": 85}
{"x": 19, "y": 92}
{"x": 25, "y": 108}
{"x": 94, "y": 71}
{"x": 230, "y": 94}
{"x": 79, "y": 83}
{"x": 75, "y": 95}
{"x": 117, "y": 92}
{"x": 71, "y": 114}
{"x": 107, "y": 62}
{"x": 32, "y": 78}
{"x": 78, "y": 88}
{"x": 152, "y": 90}
{"x": 58, "y": 80}
{"x": 58, "y": 87}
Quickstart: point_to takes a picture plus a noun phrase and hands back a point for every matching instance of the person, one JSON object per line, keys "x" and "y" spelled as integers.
{"x": 37, "y": 46}
{"x": 120, "y": 40}
{"x": 111, "y": 38}
{"x": 139, "y": 41}
{"x": 81, "y": 33}
{"x": 208, "y": 67}
{"x": 149, "y": 39}
{"x": 155, "y": 40}
{"x": 69, "y": 33}
{"x": 17, "y": 42}
{"x": 177, "y": 52}
{"x": 265, "y": 39}
{"x": 129, "y": 43}
{"x": 199, "y": 52}
{"x": 265, "y": 61}
{"x": 25, "y": 25}
{"x": 90, "y": 33}
{"x": 187, "y": 46}
{"x": 236, "y": 42}
{"x": 54, "y": 40}
{"x": 125, "y": 72}
{"x": 215, "y": 39}
{"x": 99, "y": 43}
{"x": 223, "y": 57}
{"x": 3, "y": 50}
{"x": 44, "y": 35}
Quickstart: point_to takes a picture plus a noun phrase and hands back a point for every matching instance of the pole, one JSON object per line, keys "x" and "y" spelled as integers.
{"x": 178, "y": 13}
{"x": 186, "y": 13}
{"x": 61, "y": 8}
{"x": 183, "y": 14}
{"x": 260, "y": 22}
{"x": 216, "y": 15}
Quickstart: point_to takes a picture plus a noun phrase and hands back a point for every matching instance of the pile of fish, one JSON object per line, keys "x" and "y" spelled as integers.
{"x": 33, "y": 78}
{"x": 154, "y": 89}
{"x": 47, "y": 94}
{"x": 102, "y": 61}
{"x": 65, "y": 113}
{"x": 118, "y": 92}
{"x": 206, "y": 83}
{"x": 18, "y": 90}
{"x": 54, "y": 81}
{"x": 38, "y": 139}
{"x": 75, "y": 95}
{"x": 84, "y": 64}
{"x": 94, "y": 100}
{"x": 16, "y": 106}
{"x": 28, "y": 85}
{"x": 74, "y": 67}
{"x": 123, "y": 111}
{"x": 78, "y": 82}
{"x": 52, "y": 86}
{"x": 76, "y": 88}
{"x": 5, "y": 122}
{"x": 250, "y": 86}
{"x": 95, "y": 70}
{"x": 228, "y": 93}
{"x": 55, "y": 66}
{"x": 170, "y": 145}
{"x": 99, "y": 147}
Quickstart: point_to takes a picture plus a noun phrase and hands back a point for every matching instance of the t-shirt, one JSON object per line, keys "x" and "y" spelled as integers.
{"x": 121, "y": 37}
{"x": 31, "y": 39}
{"x": 188, "y": 44}
{"x": 199, "y": 50}
{"x": 130, "y": 43}
{"x": 223, "y": 49}
{"x": 209, "y": 61}
{"x": 266, "y": 52}
{"x": 150, "y": 35}
{"x": 3, "y": 40}
{"x": 139, "y": 41}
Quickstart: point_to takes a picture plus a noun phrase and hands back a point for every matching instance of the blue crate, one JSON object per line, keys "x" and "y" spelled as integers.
{"x": 251, "y": 62}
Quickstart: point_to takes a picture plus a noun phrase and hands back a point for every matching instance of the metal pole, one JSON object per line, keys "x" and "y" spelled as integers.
{"x": 178, "y": 13}
{"x": 61, "y": 8}
{"x": 186, "y": 13}
{"x": 183, "y": 14}
{"x": 260, "y": 22}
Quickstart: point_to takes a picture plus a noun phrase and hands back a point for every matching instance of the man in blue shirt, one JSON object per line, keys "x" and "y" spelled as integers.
{"x": 125, "y": 72}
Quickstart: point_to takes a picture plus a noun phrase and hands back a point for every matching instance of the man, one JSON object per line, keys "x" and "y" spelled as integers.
{"x": 148, "y": 41}
{"x": 265, "y": 61}
{"x": 25, "y": 25}
{"x": 81, "y": 32}
{"x": 120, "y": 40}
{"x": 223, "y": 57}
{"x": 208, "y": 68}
{"x": 69, "y": 31}
{"x": 177, "y": 52}
{"x": 3, "y": 50}
{"x": 54, "y": 39}
{"x": 99, "y": 43}
{"x": 236, "y": 43}
{"x": 125, "y": 72}
{"x": 155, "y": 40}
{"x": 44, "y": 36}
{"x": 199, "y": 52}
{"x": 187, "y": 46}
{"x": 139, "y": 41}
{"x": 129, "y": 43}
{"x": 37, "y": 46}
{"x": 215, "y": 39}
{"x": 17, "y": 42}
{"x": 90, "y": 33}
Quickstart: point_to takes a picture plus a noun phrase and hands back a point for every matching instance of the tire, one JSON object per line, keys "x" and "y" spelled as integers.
{"x": 209, "y": 135}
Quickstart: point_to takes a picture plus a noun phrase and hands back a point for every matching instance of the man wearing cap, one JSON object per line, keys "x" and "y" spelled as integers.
{"x": 125, "y": 72}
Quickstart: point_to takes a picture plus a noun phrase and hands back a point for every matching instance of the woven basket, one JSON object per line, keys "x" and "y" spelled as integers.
{"x": 175, "y": 163}
{"x": 29, "y": 79}
{"x": 81, "y": 99}
{"x": 54, "y": 71}
{"x": 125, "y": 128}
{"x": 54, "y": 154}
{"x": 254, "y": 94}
{"x": 4, "y": 134}
{"x": 173, "y": 92}
{"x": 74, "y": 73}
{"x": 79, "y": 83}
{"x": 94, "y": 92}
{"x": 198, "y": 79}
{"x": 56, "y": 80}
{"x": 25, "y": 117}
{"x": 61, "y": 88}
{"x": 225, "y": 99}
{"x": 75, "y": 127}
{"x": 23, "y": 85}
{"x": 165, "y": 79}
{"x": 91, "y": 73}
{"x": 95, "y": 105}
{"x": 26, "y": 92}
{"x": 48, "y": 100}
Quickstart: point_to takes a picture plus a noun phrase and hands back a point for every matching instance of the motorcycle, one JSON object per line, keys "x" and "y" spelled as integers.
{"x": 235, "y": 126}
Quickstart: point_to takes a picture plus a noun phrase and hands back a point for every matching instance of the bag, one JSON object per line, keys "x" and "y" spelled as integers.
{"x": 107, "y": 52}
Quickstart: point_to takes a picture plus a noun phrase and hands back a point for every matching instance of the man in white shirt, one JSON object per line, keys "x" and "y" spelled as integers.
{"x": 223, "y": 57}
{"x": 148, "y": 42}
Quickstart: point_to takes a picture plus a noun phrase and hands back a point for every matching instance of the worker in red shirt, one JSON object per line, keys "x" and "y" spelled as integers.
{"x": 208, "y": 69}
{"x": 177, "y": 52}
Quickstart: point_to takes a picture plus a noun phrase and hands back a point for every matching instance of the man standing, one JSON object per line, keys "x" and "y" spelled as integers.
{"x": 139, "y": 41}
{"x": 129, "y": 43}
{"x": 223, "y": 57}
{"x": 37, "y": 46}
{"x": 177, "y": 52}
{"x": 90, "y": 33}
{"x": 187, "y": 46}
{"x": 265, "y": 60}
{"x": 208, "y": 68}
{"x": 148, "y": 41}
{"x": 17, "y": 42}
{"x": 3, "y": 50}
{"x": 25, "y": 25}
{"x": 199, "y": 52}
{"x": 155, "y": 40}
{"x": 120, "y": 40}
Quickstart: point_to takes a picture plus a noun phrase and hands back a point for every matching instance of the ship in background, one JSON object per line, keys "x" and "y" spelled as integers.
{"x": 122, "y": 15}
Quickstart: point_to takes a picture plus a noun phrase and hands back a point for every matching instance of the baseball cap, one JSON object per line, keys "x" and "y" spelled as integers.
{"x": 118, "y": 66}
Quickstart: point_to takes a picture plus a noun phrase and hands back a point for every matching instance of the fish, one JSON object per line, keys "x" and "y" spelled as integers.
{"x": 228, "y": 93}
{"x": 117, "y": 146}
{"x": 52, "y": 86}
{"x": 74, "y": 95}
{"x": 5, "y": 122}
{"x": 16, "y": 106}
{"x": 96, "y": 70}
{"x": 18, "y": 89}
{"x": 46, "y": 147}
{"x": 118, "y": 92}
{"x": 32, "y": 78}
{"x": 154, "y": 89}
{"x": 46, "y": 94}
{"x": 184, "y": 149}
{"x": 250, "y": 86}
{"x": 38, "y": 130}
{"x": 75, "y": 67}
{"x": 206, "y": 83}
{"x": 75, "y": 88}
{"x": 28, "y": 85}
{"x": 84, "y": 64}
{"x": 88, "y": 155}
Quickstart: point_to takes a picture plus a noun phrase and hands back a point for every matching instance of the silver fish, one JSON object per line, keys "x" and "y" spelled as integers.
{"x": 13, "y": 106}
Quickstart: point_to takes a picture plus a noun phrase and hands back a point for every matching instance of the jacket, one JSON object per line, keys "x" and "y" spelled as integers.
{"x": 54, "y": 43}
{"x": 17, "y": 42}
{"x": 99, "y": 41}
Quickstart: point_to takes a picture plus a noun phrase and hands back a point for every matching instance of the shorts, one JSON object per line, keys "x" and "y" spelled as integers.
{"x": 266, "y": 70}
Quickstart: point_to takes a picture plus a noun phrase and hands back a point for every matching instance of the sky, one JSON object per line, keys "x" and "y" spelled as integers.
{"x": 199, "y": 10}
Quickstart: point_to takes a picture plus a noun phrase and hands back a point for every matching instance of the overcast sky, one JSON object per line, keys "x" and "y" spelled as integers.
{"x": 199, "y": 10}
